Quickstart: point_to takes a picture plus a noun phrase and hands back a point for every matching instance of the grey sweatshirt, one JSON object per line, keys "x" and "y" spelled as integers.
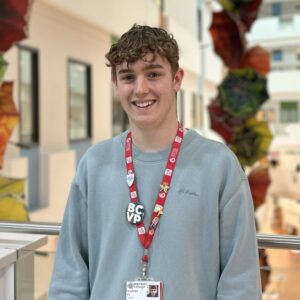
{"x": 204, "y": 247}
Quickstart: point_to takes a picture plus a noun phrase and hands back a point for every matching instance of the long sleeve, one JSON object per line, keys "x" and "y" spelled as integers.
{"x": 240, "y": 278}
{"x": 70, "y": 279}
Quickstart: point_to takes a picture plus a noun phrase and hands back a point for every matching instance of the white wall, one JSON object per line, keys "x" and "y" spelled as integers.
{"x": 188, "y": 46}
{"x": 114, "y": 16}
{"x": 184, "y": 13}
{"x": 284, "y": 84}
{"x": 269, "y": 32}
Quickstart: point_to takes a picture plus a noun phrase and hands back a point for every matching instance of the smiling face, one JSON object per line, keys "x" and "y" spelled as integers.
{"x": 147, "y": 90}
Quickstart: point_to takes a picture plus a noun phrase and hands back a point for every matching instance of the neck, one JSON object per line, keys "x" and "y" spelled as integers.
{"x": 151, "y": 140}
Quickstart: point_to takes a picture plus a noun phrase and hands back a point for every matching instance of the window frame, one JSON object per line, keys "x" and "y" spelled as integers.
{"x": 197, "y": 110}
{"x": 34, "y": 53}
{"x": 286, "y": 103}
{"x": 88, "y": 100}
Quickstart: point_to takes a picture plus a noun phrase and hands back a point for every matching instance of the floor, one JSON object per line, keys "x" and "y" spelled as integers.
{"x": 285, "y": 275}
{"x": 284, "y": 283}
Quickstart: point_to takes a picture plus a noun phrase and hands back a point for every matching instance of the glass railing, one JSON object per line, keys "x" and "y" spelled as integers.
{"x": 280, "y": 260}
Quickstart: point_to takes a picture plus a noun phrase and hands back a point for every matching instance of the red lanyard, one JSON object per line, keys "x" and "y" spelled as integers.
{"x": 146, "y": 237}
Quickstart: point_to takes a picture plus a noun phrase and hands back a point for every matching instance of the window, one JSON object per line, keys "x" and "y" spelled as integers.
{"x": 289, "y": 112}
{"x": 120, "y": 120}
{"x": 199, "y": 19}
{"x": 266, "y": 114}
{"x": 180, "y": 107}
{"x": 79, "y": 100}
{"x": 197, "y": 118}
{"x": 276, "y": 9}
{"x": 28, "y": 95}
{"x": 286, "y": 22}
{"x": 277, "y": 55}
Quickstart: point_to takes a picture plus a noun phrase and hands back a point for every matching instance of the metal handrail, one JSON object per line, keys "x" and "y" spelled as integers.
{"x": 30, "y": 227}
{"x": 263, "y": 240}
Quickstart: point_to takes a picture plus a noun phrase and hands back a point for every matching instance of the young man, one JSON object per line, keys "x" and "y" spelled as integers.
{"x": 157, "y": 201}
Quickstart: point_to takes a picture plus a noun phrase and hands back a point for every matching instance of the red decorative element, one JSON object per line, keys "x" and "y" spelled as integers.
{"x": 248, "y": 13}
{"x": 258, "y": 59}
{"x": 221, "y": 122}
{"x": 9, "y": 116}
{"x": 228, "y": 37}
{"x": 13, "y": 22}
{"x": 259, "y": 181}
{"x": 145, "y": 258}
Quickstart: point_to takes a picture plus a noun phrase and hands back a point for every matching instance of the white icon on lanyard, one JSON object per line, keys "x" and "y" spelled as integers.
{"x": 178, "y": 139}
{"x": 130, "y": 178}
{"x": 168, "y": 172}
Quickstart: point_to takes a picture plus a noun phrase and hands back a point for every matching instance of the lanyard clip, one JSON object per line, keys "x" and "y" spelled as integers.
{"x": 145, "y": 261}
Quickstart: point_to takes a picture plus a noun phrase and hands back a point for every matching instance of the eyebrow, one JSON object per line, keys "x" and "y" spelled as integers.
{"x": 148, "y": 67}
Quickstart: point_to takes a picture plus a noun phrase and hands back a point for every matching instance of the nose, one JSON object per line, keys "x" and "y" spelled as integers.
{"x": 141, "y": 87}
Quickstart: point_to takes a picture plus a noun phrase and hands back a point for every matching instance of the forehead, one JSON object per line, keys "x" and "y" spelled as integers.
{"x": 149, "y": 61}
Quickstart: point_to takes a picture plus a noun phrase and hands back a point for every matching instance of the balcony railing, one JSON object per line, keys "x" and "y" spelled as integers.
{"x": 263, "y": 240}
{"x": 282, "y": 276}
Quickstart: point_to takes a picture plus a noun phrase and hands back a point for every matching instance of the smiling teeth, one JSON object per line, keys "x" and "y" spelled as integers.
{"x": 144, "y": 104}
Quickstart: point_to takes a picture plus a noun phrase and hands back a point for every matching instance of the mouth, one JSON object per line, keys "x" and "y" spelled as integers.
{"x": 143, "y": 104}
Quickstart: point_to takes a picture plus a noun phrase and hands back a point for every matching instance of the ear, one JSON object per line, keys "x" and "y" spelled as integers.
{"x": 178, "y": 79}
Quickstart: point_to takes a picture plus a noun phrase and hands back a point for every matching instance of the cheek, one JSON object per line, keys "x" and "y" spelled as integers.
{"x": 123, "y": 92}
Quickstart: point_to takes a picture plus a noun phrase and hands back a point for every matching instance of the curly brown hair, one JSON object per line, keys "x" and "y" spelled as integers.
{"x": 140, "y": 40}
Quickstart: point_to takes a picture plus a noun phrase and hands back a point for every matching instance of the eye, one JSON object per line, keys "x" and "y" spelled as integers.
{"x": 153, "y": 75}
{"x": 127, "y": 78}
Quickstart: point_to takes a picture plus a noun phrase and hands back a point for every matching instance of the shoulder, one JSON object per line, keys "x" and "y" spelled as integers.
{"x": 213, "y": 155}
{"x": 103, "y": 150}
{"x": 100, "y": 158}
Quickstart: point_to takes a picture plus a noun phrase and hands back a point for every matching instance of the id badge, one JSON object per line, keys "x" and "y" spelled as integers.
{"x": 143, "y": 290}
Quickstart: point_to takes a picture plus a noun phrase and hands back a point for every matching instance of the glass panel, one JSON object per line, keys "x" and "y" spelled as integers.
{"x": 277, "y": 55}
{"x": 199, "y": 15}
{"x": 286, "y": 22}
{"x": 276, "y": 9}
{"x": 79, "y": 101}
{"x": 26, "y": 95}
{"x": 289, "y": 112}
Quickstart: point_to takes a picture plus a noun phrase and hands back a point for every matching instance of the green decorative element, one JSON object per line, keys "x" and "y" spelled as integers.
{"x": 234, "y": 5}
{"x": 3, "y": 65}
{"x": 251, "y": 142}
{"x": 242, "y": 92}
{"x": 227, "y": 4}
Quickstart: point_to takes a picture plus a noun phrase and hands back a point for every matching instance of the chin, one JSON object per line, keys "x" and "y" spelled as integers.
{"x": 145, "y": 123}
